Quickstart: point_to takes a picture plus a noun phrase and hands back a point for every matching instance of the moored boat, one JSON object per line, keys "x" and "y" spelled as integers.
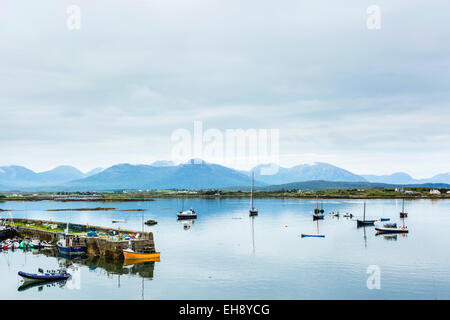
{"x": 318, "y": 213}
{"x": 130, "y": 254}
{"x": 364, "y": 222}
{"x": 70, "y": 244}
{"x": 50, "y": 275}
{"x": 403, "y": 214}
{"x": 392, "y": 230}
{"x": 252, "y": 211}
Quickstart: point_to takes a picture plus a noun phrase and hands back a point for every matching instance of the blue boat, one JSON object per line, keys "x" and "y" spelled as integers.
{"x": 385, "y": 219}
{"x": 313, "y": 236}
{"x": 70, "y": 244}
{"x": 50, "y": 275}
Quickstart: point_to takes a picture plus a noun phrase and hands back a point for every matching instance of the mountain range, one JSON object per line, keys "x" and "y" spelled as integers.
{"x": 194, "y": 174}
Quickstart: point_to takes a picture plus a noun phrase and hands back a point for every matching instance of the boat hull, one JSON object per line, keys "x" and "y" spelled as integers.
{"x": 317, "y": 217}
{"x": 186, "y": 216}
{"x": 313, "y": 236}
{"x": 365, "y": 222}
{"x": 6, "y": 233}
{"x": 31, "y": 277}
{"x": 74, "y": 250}
{"x": 391, "y": 230}
{"x": 141, "y": 256}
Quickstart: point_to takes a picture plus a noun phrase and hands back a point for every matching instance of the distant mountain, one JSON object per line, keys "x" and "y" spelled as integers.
{"x": 163, "y": 163}
{"x": 194, "y": 174}
{"x": 191, "y": 175}
{"x": 307, "y": 172}
{"x": 324, "y": 185}
{"x": 439, "y": 178}
{"x": 92, "y": 172}
{"x": 16, "y": 176}
{"x": 59, "y": 175}
{"x": 404, "y": 178}
{"x": 19, "y": 177}
{"x": 395, "y": 178}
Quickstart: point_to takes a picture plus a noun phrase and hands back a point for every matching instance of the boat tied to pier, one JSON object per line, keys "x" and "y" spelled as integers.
{"x": 70, "y": 244}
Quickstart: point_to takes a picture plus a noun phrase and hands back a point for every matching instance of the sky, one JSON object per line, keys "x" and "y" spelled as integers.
{"x": 373, "y": 101}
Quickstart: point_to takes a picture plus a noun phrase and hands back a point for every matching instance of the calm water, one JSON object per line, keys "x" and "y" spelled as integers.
{"x": 227, "y": 255}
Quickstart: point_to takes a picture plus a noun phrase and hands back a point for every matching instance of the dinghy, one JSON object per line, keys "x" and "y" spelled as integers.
{"x": 312, "y": 235}
{"x": 50, "y": 275}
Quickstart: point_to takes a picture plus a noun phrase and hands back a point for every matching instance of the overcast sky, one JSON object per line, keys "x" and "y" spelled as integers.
{"x": 370, "y": 101}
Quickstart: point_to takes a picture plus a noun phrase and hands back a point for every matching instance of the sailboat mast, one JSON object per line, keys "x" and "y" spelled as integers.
{"x": 403, "y": 206}
{"x": 364, "y": 211}
{"x": 251, "y": 191}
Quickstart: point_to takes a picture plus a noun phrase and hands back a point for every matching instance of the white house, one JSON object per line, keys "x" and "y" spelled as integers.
{"x": 435, "y": 191}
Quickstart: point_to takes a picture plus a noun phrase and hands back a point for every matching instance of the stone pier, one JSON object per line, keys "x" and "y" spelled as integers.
{"x": 96, "y": 246}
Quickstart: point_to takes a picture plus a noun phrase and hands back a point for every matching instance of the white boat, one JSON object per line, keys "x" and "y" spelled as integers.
{"x": 188, "y": 214}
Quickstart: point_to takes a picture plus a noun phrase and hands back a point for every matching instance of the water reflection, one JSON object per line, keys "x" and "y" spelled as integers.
{"x": 187, "y": 223}
{"x": 141, "y": 268}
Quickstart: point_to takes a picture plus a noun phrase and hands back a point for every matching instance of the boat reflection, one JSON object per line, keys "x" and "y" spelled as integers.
{"x": 187, "y": 223}
{"x": 139, "y": 267}
{"x": 40, "y": 285}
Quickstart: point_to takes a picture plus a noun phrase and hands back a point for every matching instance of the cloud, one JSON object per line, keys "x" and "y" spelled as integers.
{"x": 115, "y": 90}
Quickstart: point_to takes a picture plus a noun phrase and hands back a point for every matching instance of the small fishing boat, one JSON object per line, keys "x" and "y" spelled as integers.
{"x": 35, "y": 244}
{"x": 403, "y": 214}
{"x": 253, "y": 211}
{"x": 6, "y": 231}
{"x": 70, "y": 244}
{"x": 390, "y": 225}
{"x": 145, "y": 254}
{"x": 347, "y": 215}
{"x": 50, "y": 275}
{"x": 392, "y": 230}
{"x": 312, "y": 235}
{"x": 364, "y": 222}
{"x": 150, "y": 222}
{"x": 334, "y": 214}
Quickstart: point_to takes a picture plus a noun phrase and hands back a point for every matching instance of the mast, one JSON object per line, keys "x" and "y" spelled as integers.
{"x": 403, "y": 206}
{"x": 364, "y": 219}
{"x": 251, "y": 192}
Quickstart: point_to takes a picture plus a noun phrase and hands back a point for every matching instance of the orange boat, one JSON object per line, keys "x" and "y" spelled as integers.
{"x": 130, "y": 254}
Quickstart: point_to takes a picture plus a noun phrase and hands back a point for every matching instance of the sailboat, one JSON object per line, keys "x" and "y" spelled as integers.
{"x": 188, "y": 214}
{"x": 252, "y": 211}
{"x": 403, "y": 214}
{"x": 364, "y": 222}
{"x": 318, "y": 213}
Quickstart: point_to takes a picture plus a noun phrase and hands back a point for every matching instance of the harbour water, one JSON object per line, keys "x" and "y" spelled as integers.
{"x": 225, "y": 254}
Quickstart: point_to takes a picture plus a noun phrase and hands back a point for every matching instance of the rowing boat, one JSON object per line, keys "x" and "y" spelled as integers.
{"x": 312, "y": 235}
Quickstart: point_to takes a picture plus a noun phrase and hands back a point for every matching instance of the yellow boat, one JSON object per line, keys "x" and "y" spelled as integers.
{"x": 130, "y": 254}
